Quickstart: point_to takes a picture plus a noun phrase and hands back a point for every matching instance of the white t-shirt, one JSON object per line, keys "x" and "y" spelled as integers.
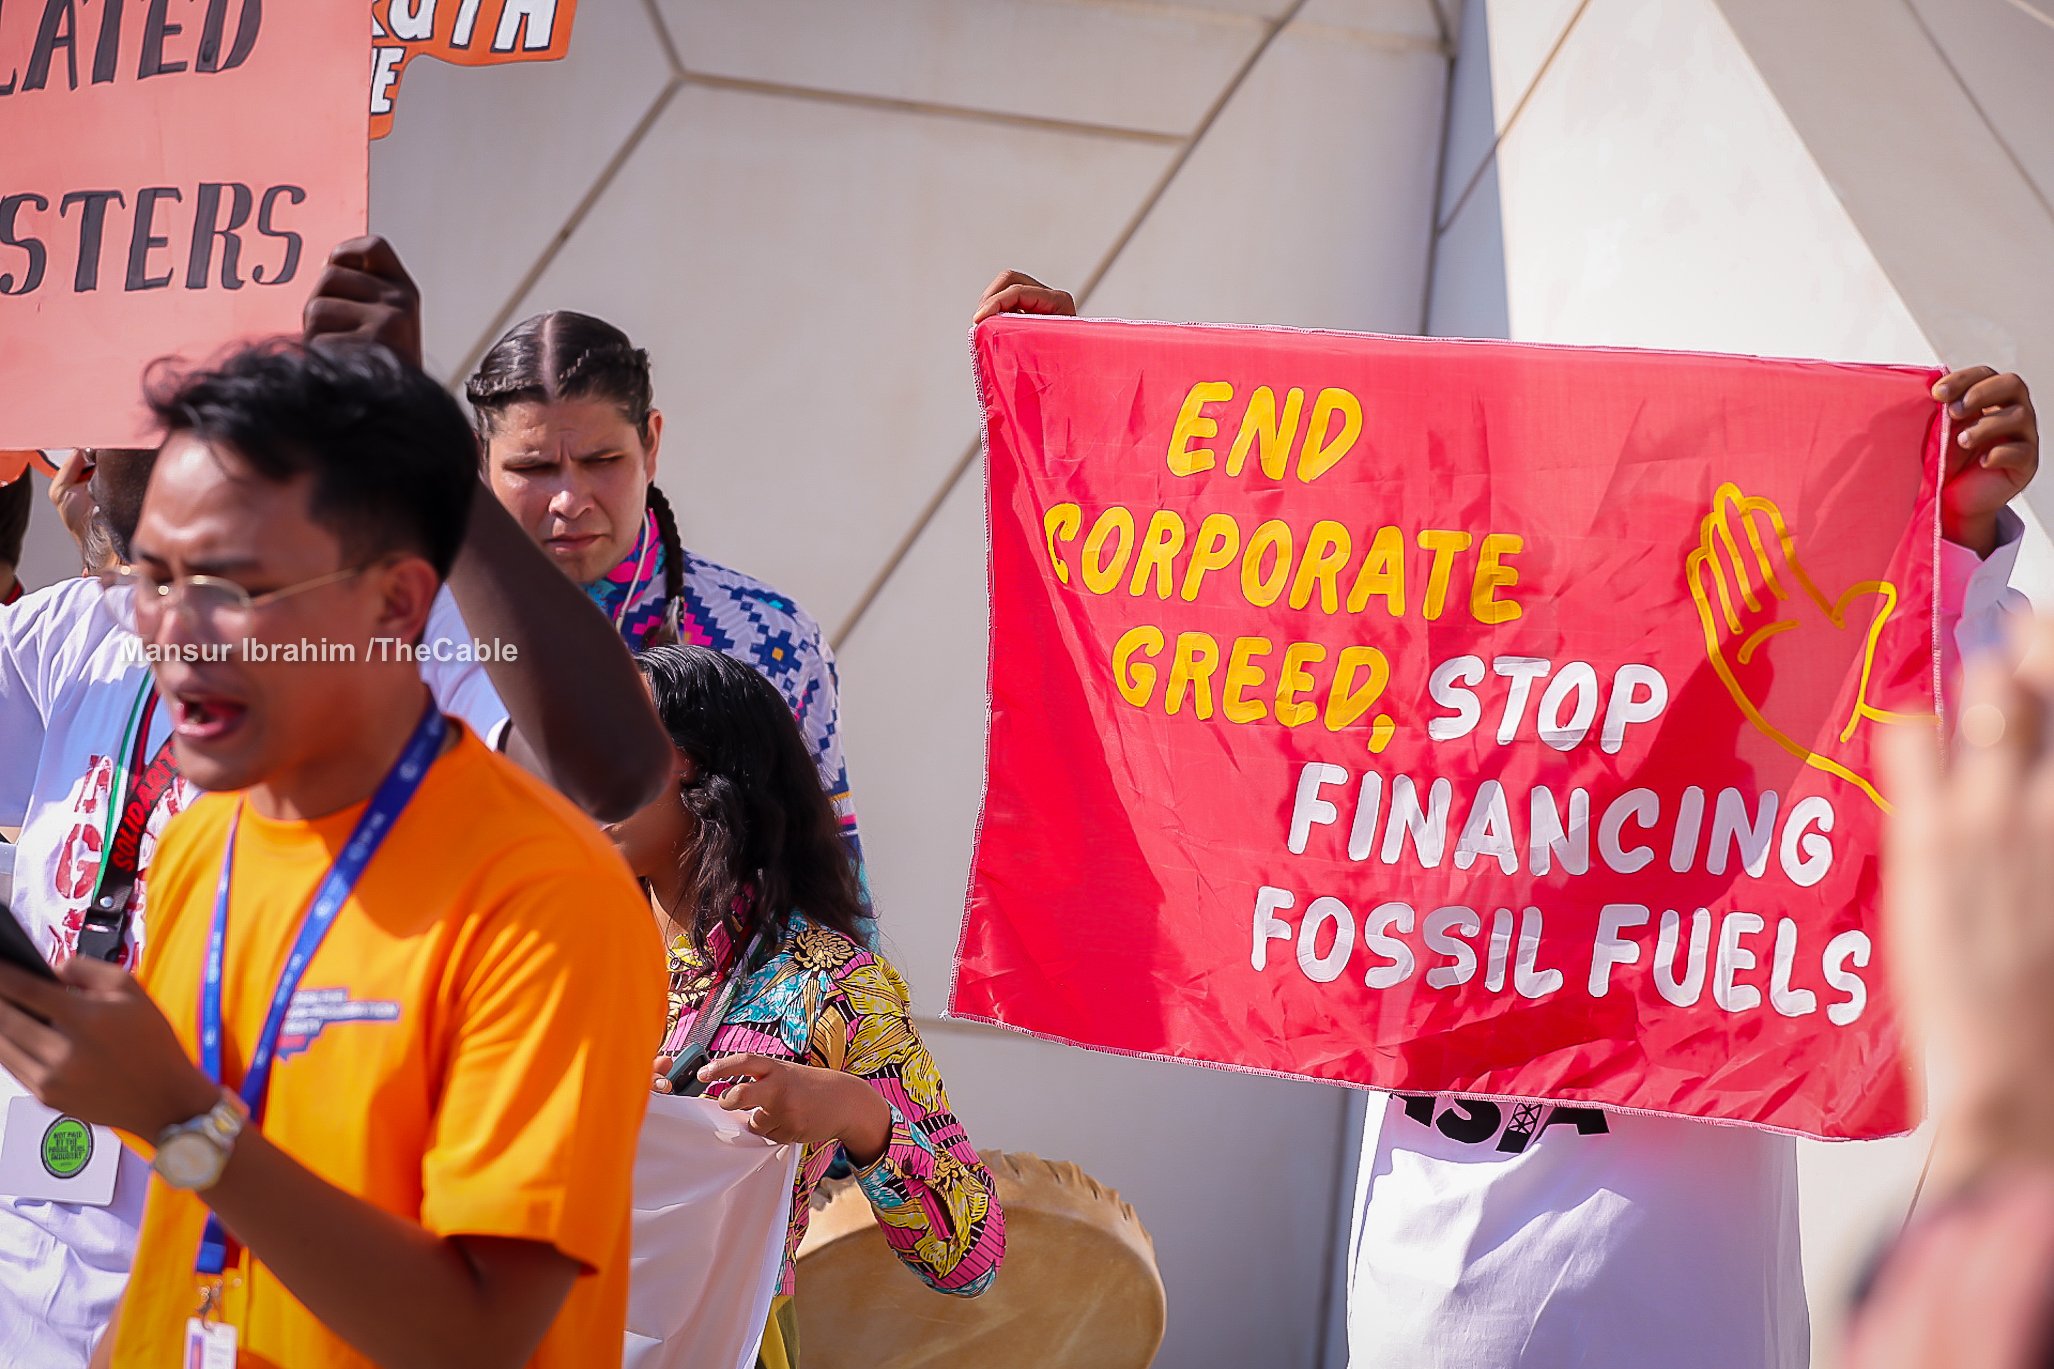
{"x": 712, "y": 1204}
{"x": 1502, "y": 1235}
{"x": 67, "y": 690}
{"x": 1527, "y": 1235}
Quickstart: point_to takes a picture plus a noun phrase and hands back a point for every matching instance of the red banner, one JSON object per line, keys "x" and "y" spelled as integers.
{"x": 1451, "y": 716}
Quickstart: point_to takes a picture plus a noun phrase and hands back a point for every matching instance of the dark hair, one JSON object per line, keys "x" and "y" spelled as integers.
{"x": 15, "y": 501}
{"x": 394, "y": 464}
{"x": 673, "y": 547}
{"x": 568, "y": 355}
{"x": 767, "y": 841}
{"x": 121, "y": 477}
{"x": 562, "y": 355}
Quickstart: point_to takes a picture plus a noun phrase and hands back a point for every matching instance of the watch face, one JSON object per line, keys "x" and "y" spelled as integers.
{"x": 188, "y": 1160}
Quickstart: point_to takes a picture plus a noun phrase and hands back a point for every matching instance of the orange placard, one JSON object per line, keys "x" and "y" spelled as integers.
{"x": 15, "y": 464}
{"x": 175, "y": 172}
{"x": 471, "y": 33}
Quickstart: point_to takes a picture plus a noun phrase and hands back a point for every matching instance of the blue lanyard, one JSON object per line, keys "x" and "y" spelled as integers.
{"x": 392, "y": 797}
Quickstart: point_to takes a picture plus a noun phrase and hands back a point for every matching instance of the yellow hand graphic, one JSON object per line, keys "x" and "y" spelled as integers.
{"x": 1752, "y": 591}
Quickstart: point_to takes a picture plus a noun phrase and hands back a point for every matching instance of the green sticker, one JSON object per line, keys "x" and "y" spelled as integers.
{"x": 67, "y": 1148}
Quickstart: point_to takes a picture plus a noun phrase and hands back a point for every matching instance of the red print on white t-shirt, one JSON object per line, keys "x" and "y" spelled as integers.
{"x": 78, "y": 857}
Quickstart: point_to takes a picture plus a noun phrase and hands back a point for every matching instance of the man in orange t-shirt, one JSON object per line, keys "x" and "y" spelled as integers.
{"x": 420, "y": 987}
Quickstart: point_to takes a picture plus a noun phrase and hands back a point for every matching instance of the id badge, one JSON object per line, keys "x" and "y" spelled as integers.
{"x": 48, "y": 1156}
{"x": 208, "y": 1345}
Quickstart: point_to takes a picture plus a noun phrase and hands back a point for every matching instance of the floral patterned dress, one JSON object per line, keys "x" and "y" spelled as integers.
{"x": 823, "y": 1000}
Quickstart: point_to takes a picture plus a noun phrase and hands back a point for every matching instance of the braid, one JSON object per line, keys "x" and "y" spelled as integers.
{"x": 673, "y": 548}
{"x": 507, "y": 376}
{"x": 615, "y": 371}
{"x": 496, "y": 390}
{"x": 562, "y": 355}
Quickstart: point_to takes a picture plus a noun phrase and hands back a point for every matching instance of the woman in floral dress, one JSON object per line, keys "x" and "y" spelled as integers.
{"x": 817, "y": 1043}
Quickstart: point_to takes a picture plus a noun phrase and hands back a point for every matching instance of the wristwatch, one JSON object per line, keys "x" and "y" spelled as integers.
{"x": 191, "y": 1155}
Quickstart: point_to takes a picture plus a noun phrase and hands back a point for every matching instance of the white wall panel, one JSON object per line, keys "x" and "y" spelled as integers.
{"x": 1472, "y": 125}
{"x": 2003, "y": 50}
{"x": 913, "y": 676}
{"x": 1930, "y": 132}
{"x": 1388, "y": 23}
{"x": 1523, "y": 34}
{"x": 1310, "y": 202}
{"x": 484, "y": 164}
{"x": 1655, "y": 195}
{"x": 803, "y": 275}
{"x": 1153, "y": 68}
{"x": 1468, "y": 293}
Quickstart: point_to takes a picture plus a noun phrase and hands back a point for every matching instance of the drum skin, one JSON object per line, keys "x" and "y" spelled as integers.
{"x": 1078, "y": 1288}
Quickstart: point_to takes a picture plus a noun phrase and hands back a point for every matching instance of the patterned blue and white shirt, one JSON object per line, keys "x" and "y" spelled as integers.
{"x": 740, "y": 616}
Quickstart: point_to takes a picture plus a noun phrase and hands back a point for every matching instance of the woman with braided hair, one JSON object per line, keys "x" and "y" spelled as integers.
{"x": 566, "y": 416}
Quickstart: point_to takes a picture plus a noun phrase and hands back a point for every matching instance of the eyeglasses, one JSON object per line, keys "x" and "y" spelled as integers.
{"x": 224, "y": 610}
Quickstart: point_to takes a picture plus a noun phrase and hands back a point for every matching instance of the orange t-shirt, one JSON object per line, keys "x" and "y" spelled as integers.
{"x": 469, "y": 1047}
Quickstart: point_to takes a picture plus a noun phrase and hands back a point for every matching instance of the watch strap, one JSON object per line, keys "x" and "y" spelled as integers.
{"x": 218, "y": 1126}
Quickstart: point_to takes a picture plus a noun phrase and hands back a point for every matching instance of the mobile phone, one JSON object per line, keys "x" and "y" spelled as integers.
{"x": 17, "y": 947}
{"x": 683, "y": 1074}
